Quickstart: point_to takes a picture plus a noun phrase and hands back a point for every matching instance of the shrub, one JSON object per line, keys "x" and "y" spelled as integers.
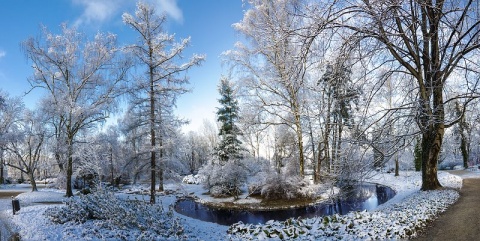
{"x": 224, "y": 180}
{"x": 61, "y": 181}
{"x": 124, "y": 217}
{"x": 193, "y": 179}
{"x": 278, "y": 186}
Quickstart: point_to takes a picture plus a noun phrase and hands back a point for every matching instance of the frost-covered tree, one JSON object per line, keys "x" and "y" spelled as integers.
{"x": 434, "y": 43}
{"x": 229, "y": 146}
{"x": 25, "y": 141}
{"x": 209, "y": 132}
{"x": 462, "y": 131}
{"x": 135, "y": 141}
{"x": 272, "y": 63}
{"x": 158, "y": 55}
{"x": 57, "y": 132}
{"x": 196, "y": 152}
{"x": 340, "y": 95}
{"x": 81, "y": 78}
{"x": 11, "y": 110}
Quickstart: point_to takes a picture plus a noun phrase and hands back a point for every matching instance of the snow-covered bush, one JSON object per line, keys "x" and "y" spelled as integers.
{"x": 277, "y": 186}
{"x": 61, "y": 181}
{"x": 224, "y": 180}
{"x": 193, "y": 179}
{"x": 129, "y": 219}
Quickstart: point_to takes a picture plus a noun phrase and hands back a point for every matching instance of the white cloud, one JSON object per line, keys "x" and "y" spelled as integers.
{"x": 171, "y": 8}
{"x": 2, "y": 54}
{"x": 99, "y": 11}
{"x": 96, "y": 11}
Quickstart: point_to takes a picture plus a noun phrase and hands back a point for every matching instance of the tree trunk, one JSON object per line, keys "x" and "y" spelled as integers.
{"x": 160, "y": 167}
{"x": 59, "y": 162}
{"x": 2, "y": 163}
{"x": 431, "y": 146}
{"x": 339, "y": 140}
{"x": 153, "y": 161}
{"x": 397, "y": 166}
{"x": 70, "y": 169}
{"x": 333, "y": 154}
{"x": 32, "y": 181}
{"x": 464, "y": 149}
{"x": 318, "y": 169}
{"x": 111, "y": 167}
{"x": 2, "y": 178}
{"x": 299, "y": 133}
{"x": 160, "y": 180}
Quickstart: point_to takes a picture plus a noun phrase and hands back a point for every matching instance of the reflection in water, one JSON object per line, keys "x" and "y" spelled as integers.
{"x": 361, "y": 197}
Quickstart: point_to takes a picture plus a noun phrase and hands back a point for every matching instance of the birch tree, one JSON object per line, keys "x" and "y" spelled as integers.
{"x": 81, "y": 78}
{"x": 158, "y": 56}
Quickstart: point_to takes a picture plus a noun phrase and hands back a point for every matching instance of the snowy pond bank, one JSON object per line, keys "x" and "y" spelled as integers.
{"x": 364, "y": 196}
{"x": 401, "y": 217}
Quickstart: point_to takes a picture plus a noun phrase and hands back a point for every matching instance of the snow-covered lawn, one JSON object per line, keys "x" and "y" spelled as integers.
{"x": 401, "y": 217}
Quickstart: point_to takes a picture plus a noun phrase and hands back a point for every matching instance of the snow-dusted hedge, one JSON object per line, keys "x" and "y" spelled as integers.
{"x": 398, "y": 221}
{"x": 124, "y": 219}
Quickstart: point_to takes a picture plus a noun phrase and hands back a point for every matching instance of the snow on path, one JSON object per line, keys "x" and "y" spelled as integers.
{"x": 6, "y": 194}
{"x": 7, "y": 225}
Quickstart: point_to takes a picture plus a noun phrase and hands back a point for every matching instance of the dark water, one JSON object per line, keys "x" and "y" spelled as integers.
{"x": 361, "y": 197}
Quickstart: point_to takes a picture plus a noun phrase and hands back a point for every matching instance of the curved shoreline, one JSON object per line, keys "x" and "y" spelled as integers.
{"x": 260, "y": 205}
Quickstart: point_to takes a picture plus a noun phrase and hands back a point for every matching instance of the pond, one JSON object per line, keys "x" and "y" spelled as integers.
{"x": 361, "y": 197}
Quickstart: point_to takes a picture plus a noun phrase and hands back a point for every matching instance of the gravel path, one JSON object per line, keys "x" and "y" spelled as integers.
{"x": 461, "y": 221}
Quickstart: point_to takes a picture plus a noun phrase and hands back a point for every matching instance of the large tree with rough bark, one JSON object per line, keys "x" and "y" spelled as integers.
{"x": 436, "y": 43}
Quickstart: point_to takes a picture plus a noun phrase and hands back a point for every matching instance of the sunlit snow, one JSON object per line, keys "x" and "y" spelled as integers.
{"x": 400, "y": 217}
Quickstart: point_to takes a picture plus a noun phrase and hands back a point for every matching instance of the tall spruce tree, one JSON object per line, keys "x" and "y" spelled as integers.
{"x": 229, "y": 146}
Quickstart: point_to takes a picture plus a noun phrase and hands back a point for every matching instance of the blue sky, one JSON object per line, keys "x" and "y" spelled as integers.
{"x": 207, "y": 22}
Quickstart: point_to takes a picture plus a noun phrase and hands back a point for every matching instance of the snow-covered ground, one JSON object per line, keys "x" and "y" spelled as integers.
{"x": 402, "y": 215}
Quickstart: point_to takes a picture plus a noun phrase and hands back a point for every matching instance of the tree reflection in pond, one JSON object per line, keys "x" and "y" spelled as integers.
{"x": 361, "y": 197}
